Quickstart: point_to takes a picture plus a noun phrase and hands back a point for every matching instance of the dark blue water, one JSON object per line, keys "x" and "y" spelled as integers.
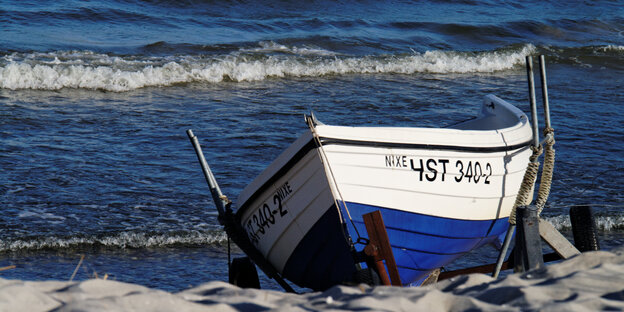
{"x": 95, "y": 99}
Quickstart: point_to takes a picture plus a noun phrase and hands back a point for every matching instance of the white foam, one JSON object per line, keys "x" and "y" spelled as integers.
{"x": 603, "y": 223}
{"x": 616, "y": 48}
{"x": 120, "y": 240}
{"x": 88, "y": 70}
{"x": 271, "y": 46}
{"x": 40, "y": 214}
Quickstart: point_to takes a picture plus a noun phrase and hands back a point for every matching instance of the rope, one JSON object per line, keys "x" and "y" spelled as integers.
{"x": 547, "y": 171}
{"x": 317, "y": 141}
{"x": 524, "y": 196}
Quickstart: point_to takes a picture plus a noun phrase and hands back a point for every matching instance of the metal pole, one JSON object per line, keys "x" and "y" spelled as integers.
{"x": 529, "y": 61}
{"x": 512, "y": 227}
{"x": 503, "y": 253}
{"x": 232, "y": 228}
{"x": 220, "y": 201}
{"x": 542, "y": 64}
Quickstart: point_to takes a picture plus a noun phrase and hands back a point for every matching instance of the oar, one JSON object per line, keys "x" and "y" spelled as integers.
{"x": 220, "y": 200}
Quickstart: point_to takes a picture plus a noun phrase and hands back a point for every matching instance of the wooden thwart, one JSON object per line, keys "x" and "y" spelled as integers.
{"x": 379, "y": 248}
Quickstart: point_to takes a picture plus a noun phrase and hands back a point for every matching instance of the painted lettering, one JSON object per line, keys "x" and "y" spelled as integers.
{"x": 443, "y": 162}
{"x": 419, "y": 169}
{"x": 433, "y": 173}
{"x": 436, "y": 169}
{"x": 396, "y": 161}
{"x": 268, "y": 213}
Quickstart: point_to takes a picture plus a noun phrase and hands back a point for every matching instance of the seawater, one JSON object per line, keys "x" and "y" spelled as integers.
{"x": 95, "y": 99}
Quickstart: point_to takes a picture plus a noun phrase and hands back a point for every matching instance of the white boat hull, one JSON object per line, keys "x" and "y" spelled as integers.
{"x": 442, "y": 193}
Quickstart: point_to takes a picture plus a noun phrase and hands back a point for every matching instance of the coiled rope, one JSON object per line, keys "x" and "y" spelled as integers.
{"x": 547, "y": 170}
{"x": 525, "y": 194}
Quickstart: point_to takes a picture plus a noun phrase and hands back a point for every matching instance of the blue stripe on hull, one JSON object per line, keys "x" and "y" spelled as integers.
{"x": 323, "y": 257}
{"x": 421, "y": 243}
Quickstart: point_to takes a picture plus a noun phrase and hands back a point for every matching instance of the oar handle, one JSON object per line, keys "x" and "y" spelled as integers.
{"x": 219, "y": 199}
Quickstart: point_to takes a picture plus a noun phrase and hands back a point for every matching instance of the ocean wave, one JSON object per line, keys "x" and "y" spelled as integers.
{"x": 271, "y": 46}
{"x": 194, "y": 238}
{"x": 89, "y": 70}
{"x": 121, "y": 240}
{"x": 612, "y": 47}
{"x": 603, "y": 223}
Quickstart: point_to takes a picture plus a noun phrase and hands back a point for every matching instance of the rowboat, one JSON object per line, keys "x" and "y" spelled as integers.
{"x": 442, "y": 192}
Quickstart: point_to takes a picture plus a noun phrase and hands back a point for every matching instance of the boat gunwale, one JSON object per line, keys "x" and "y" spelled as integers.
{"x": 302, "y": 146}
{"x": 310, "y": 146}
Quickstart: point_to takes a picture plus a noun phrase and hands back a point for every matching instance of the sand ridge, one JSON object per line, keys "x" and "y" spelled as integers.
{"x": 592, "y": 281}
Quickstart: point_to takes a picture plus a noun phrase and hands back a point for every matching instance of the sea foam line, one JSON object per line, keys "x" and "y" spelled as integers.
{"x": 130, "y": 239}
{"x": 120, "y": 240}
{"x": 603, "y": 223}
{"x": 102, "y": 72}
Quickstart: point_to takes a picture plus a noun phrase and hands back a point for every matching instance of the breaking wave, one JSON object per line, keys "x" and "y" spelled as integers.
{"x": 216, "y": 238}
{"x": 133, "y": 240}
{"x": 121, "y": 240}
{"x": 616, "y": 48}
{"x": 603, "y": 223}
{"x": 90, "y": 70}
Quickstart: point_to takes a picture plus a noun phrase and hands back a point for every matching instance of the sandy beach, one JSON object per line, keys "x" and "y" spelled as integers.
{"x": 592, "y": 281}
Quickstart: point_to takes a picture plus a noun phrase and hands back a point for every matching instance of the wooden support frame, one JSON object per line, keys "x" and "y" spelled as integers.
{"x": 527, "y": 253}
{"x": 528, "y": 247}
{"x": 379, "y": 248}
{"x": 556, "y": 241}
{"x": 487, "y": 268}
